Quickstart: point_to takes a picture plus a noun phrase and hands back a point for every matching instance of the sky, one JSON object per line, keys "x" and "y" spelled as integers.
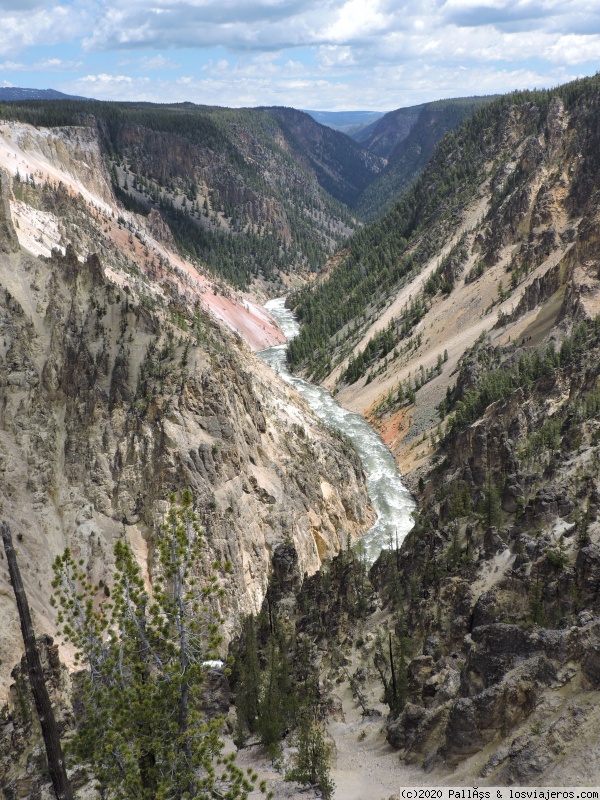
{"x": 316, "y": 54}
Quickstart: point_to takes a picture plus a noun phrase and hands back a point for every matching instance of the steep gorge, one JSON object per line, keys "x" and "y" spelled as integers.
{"x": 473, "y": 348}
{"x": 116, "y": 391}
{"x": 479, "y": 293}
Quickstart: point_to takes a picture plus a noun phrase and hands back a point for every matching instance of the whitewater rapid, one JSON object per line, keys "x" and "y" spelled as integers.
{"x": 391, "y": 500}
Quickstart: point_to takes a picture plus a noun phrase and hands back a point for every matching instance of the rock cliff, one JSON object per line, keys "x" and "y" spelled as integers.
{"x": 475, "y": 352}
{"x": 113, "y": 397}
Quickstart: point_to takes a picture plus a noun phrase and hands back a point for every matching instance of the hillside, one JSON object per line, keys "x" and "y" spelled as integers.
{"x": 467, "y": 332}
{"x": 498, "y": 158}
{"x": 382, "y": 135}
{"x": 343, "y": 168}
{"x": 264, "y": 194}
{"x": 406, "y": 138}
{"x": 125, "y": 377}
{"x": 250, "y": 193}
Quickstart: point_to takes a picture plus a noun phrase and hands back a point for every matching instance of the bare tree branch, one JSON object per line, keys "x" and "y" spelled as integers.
{"x": 56, "y": 763}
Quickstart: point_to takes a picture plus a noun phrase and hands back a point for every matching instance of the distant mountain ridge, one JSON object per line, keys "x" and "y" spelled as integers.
{"x": 407, "y": 138}
{"x": 251, "y": 192}
{"x": 383, "y": 134}
{"x": 11, "y": 93}
{"x": 349, "y": 122}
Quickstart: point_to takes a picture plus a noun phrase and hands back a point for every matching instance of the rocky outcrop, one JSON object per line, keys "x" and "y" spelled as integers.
{"x": 23, "y": 766}
{"x": 159, "y": 228}
{"x": 507, "y": 674}
{"x": 536, "y": 293}
{"x": 507, "y": 613}
{"x": 8, "y": 237}
{"x": 107, "y": 407}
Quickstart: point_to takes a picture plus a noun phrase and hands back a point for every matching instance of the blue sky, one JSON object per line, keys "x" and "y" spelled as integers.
{"x": 320, "y": 54}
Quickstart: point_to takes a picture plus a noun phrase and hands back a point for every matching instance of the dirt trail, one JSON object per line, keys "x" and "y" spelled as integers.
{"x": 366, "y": 765}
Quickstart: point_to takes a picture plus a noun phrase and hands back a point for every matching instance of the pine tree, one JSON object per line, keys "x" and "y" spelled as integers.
{"x": 311, "y": 763}
{"x": 50, "y": 730}
{"x": 490, "y": 508}
{"x": 248, "y": 689}
{"x": 390, "y": 662}
{"x": 141, "y": 730}
{"x": 537, "y": 612}
{"x": 277, "y": 705}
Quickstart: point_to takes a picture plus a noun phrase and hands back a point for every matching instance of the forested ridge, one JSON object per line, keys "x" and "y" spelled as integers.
{"x": 408, "y": 155}
{"x": 381, "y": 256}
{"x": 241, "y": 193}
{"x": 383, "y": 253}
{"x": 248, "y": 192}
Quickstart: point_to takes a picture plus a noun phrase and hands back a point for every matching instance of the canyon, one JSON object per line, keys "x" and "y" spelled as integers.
{"x": 462, "y": 324}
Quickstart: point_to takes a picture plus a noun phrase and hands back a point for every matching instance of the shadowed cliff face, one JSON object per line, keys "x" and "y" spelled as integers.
{"x": 342, "y": 167}
{"x": 109, "y": 402}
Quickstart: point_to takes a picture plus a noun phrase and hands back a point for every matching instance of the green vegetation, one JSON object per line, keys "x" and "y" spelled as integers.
{"x": 409, "y": 156}
{"x": 278, "y": 662}
{"x": 394, "y": 247}
{"x": 140, "y": 727}
{"x": 498, "y": 383}
{"x": 517, "y": 492}
{"x": 277, "y": 694}
{"x": 385, "y": 341}
{"x": 268, "y": 697}
{"x": 444, "y": 277}
{"x": 385, "y": 253}
{"x": 390, "y": 661}
{"x": 311, "y": 763}
{"x": 489, "y": 508}
{"x": 340, "y": 164}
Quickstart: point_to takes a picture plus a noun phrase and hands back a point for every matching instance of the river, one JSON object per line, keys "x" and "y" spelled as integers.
{"x": 391, "y": 500}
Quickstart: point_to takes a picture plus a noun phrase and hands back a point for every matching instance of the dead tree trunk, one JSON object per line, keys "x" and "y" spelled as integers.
{"x": 43, "y": 706}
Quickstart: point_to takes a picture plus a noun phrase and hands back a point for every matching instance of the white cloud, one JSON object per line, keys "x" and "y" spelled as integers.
{"x": 308, "y": 53}
{"x": 356, "y": 19}
{"x": 331, "y": 56}
{"x": 242, "y": 24}
{"x": 103, "y": 79}
{"x": 574, "y": 49}
{"x": 46, "y": 65}
{"x": 24, "y": 27}
{"x": 386, "y": 86}
{"x": 157, "y": 62}
{"x": 356, "y": 33}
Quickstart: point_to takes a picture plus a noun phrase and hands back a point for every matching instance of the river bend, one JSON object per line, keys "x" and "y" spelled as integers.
{"x": 391, "y": 500}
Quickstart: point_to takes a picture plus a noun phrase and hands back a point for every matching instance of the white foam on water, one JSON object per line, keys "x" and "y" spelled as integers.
{"x": 392, "y": 501}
